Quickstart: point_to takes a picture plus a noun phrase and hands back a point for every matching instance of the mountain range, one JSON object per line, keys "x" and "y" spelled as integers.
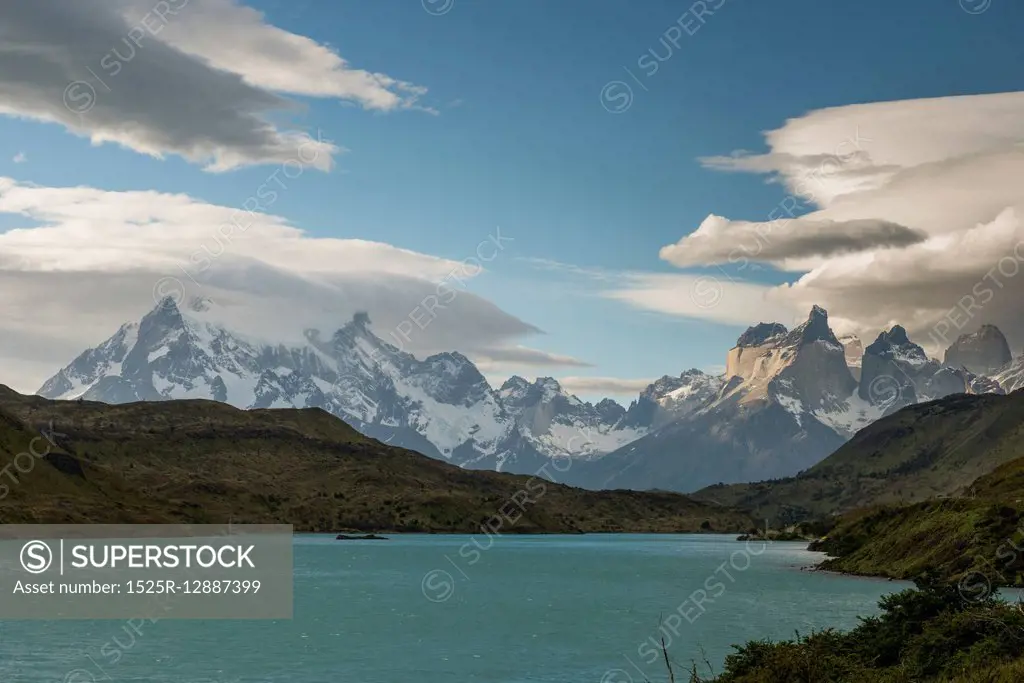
{"x": 787, "y": 399}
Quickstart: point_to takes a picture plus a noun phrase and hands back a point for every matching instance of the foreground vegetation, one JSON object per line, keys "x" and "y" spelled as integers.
{"x": 928, "y": 635}
{"x": 206, "y": 462}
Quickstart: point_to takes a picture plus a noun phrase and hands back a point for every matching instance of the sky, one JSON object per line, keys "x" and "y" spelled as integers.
{"x": 599, "y": 191}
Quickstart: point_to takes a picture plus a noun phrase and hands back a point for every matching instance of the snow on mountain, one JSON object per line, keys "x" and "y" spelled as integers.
{"x": 560, "y": 424}
{"x": 671, "y": 398}
{"x": 1011, "y": 375}
{"x": 441, "y": 406}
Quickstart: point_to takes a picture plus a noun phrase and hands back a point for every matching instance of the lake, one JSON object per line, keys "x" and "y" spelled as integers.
{"x": 506, "y": 609}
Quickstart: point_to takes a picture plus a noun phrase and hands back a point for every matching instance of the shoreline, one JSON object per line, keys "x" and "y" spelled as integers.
{"x": 512, "y": 532}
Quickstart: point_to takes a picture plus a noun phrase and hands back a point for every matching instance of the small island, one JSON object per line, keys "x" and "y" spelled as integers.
{"x": 365, "y": 537}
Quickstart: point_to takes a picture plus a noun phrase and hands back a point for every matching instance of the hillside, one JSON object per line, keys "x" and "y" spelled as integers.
{"x": 923, "y": 451}
{"x": 974, "y": 540}
{"x": 203, "y": 461}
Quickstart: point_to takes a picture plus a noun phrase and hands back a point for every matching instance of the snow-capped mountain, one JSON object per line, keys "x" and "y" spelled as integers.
{"x": 441, "y": 406}
{"x": 787, "y": 399}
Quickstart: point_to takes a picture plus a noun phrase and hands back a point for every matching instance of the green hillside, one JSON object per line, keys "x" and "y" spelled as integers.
{"x": 924, "y": 451}
{"x": 206, "y": 462}
{"x": 976, "y": 541}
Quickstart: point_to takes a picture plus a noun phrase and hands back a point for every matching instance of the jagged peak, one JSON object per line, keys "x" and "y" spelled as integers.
{"x": 358, "y": 326}
{"x": 814, "y": 329}
{"x": 760, "y": 333}
{"x": 548, "y": 383}
{"x": 898, "y": 335}
{"x": 515, "y": 382}
{"x": 166, "y": 312}
{"x": 166, "y": 304}
{"x": 982, "y": 351}
{"x": 985, "y": 330}
{"x": 449, "y": 357}
{"x": 895, "y": 338}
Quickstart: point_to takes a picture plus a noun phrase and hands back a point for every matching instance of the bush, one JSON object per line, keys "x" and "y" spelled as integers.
{"x": 928, "y": 634}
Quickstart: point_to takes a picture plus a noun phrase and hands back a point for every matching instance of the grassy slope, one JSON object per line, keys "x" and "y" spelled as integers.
{"x": 973, "y": 540}
{"x": 923, "y": 451}
{"x": 202, "y": 461}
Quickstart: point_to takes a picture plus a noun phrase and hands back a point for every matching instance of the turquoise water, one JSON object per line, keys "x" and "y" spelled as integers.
{"x": 510, "y": 609}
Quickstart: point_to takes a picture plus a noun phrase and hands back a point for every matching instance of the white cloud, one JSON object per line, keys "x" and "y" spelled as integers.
{"x": 274, "y": 59}
{"x": 20, "y": 158}
{"x": 96, "y": 259}
{"x": 708, "y": 297}
{"x": 601, "y": 386}
{"x": 194, "y": 78}
{"x": 518, "y": 356}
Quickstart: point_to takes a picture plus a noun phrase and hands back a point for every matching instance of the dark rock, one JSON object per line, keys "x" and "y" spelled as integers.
{"x": 760, "y": 333}
{"x": 65, "y": 463}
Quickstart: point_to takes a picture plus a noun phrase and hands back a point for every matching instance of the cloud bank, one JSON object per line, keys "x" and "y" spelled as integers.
{"x": 909, "y": 211}
{"x": 167, "y": 78}
{"x": 94, "y": 259}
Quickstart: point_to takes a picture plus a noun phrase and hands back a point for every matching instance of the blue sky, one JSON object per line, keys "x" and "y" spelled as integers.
{"x": 520, "y": 138}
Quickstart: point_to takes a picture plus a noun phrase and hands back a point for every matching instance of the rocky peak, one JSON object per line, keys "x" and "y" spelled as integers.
{"x": 983, "y": 352}
{"x": 662, "y": 386}
{"x": 515, "y": 384}
{"x": 518, "y": 394}
{"x": 816, "y": 372}
{"x": 672, "y": 397}
{"x": 165, "y": 314}
{"x": 896, "y": 345}
{"x": 896, "y": 372}
{"x": 814, "y": 329}
{"x": 610, "y": 411}
{"x": 549, "y": 384}
{"x": 358, "y": 326}
{"x": 761, "y": 333}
